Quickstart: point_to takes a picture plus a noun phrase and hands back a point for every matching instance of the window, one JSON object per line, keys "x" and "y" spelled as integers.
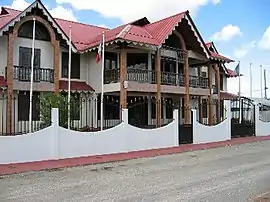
{"x": 25, "y": 56}
{"x": 75, "y": 65}
{"x": 183, "y": 108}
{"x": 137, "y": 60}
{"x": 75, "y": 105}
{"x": 23, "y": 106}
{"x": 169, "y": 108}
{"x": 26, "y": 31}
{"x": 110, "y": 60}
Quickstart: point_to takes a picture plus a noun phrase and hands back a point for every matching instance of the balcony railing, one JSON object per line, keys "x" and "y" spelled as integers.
{"x": 141, "y": 75}
{"x": 149, "y": 76}
{"x": 40, "y": 74}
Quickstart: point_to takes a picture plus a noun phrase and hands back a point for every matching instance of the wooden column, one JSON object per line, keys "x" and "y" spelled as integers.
{"x": 218, "y": 91}
{"x": 158, "y": 97}
{"x": 123, "y": 78}
{"x": 210, "y": 98}
{"x": 56, "y": 65}
{"x": 187, "y": 100}
{"x": 10, "y": 82}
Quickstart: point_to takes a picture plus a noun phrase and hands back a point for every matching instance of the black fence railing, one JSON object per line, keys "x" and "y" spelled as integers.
{"x": 219, "y": 112}
{"x": 142, "y": 112}
{"x": 17, "y": 122}
{"x": 21, "y": 73}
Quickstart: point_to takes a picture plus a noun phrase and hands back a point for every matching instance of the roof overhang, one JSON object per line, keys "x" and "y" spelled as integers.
{"x": 38, "y": 4}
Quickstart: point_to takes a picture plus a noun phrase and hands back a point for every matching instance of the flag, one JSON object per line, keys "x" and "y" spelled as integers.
{"x": 237, "y": 70}
{"x": 99, "y": 53}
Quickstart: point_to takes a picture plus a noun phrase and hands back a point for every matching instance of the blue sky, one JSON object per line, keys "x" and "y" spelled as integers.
{"x": 236, "y": 26}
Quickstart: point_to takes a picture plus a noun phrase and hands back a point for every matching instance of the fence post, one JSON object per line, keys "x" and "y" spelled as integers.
{"x": 125, "y": 115}
{"x": 194, "y": 124}
{"x": 227, "y": 106}
{"x": 257, "y": 120}
{"x": 55, "y": 125}
{"x": 176, "y": 123}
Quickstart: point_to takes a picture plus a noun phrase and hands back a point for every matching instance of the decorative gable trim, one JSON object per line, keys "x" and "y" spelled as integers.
{"x": 37, "y": 4}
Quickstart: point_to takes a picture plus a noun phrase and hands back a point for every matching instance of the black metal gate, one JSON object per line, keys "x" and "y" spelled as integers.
{"x": 243, "y": 118}
{"x": 185, "y": 135}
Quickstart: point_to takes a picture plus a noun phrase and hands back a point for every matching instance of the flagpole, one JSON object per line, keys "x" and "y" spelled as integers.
{"x": 250, "y": 82}
{"x": 32, "y": 75}
{"x": 69, "y": 76}
{"x": 239, "y": 90}
{"x": 261, "y": 81}
{"x": 102, "y": 80}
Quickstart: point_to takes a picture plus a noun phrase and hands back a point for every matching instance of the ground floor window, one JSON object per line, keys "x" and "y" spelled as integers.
{"x": 111, "y": 107}
{"x": 23, "y": 106}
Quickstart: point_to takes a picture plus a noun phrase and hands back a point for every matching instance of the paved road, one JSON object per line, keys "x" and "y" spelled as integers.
{"x": 228, "y": 174}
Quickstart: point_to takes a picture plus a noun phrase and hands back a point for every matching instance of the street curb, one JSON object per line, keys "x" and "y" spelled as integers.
{"x": 81, "y": 161}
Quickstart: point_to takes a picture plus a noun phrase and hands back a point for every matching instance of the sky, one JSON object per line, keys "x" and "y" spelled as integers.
{"x": 239, "y": 28}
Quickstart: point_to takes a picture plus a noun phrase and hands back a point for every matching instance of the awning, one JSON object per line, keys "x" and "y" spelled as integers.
{"x": 75, "y": 86}
{"x": 228, "y": 96}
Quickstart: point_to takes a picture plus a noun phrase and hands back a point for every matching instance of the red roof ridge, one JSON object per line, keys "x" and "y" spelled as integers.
{"x": 168, "y": 17}
{"x": 57, "y": 19}
{"x": 124, "y": 31}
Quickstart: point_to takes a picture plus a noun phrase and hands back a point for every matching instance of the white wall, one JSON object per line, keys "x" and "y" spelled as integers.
{"x": 27, "y": 148}
{"x": 216, "y": 133}
{"x": 46, "y": 48}
{"x": 94, "y": 73}
{"x": 262, "y": 128}
{"x": 55, "y": 142}
{"x": 3, "y": 54}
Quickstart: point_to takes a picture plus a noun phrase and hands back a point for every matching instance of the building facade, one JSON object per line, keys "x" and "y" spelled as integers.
{"x": 159, "y": 66}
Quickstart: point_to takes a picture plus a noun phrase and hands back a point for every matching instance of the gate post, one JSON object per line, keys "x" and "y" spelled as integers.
{"x": 257, "y": 120}
{"x": 227, "y": 107}
{"x": 194, "y": 122}
{"x": 176, "y": 124}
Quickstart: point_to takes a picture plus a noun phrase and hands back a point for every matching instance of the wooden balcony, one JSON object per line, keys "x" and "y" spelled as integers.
{"x": 149, "y": 77}
{"x": 23, "y": 74}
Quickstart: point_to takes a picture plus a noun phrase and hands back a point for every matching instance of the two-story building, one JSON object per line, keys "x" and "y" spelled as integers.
{"x": 158, "y": 62}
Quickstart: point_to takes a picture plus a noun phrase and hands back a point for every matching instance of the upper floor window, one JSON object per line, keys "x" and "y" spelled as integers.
{"x": 137, "y": 60}
{"x": 26, "y": 31}
{"x": 110, "y": 60}
{"x": 75, "y": 65}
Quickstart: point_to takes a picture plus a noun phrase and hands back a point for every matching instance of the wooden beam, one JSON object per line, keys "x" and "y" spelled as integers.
{"x": 10, "y": 82}
{"x": 218, "y": 90}
{"x": 187, "y": 96}
{"x": 210, "y": 98}
{"x": 123, "y": 78}
{"x": 158, "y": 98}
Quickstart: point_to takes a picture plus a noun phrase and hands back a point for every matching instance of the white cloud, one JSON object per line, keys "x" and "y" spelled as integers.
{"x": 58, "y": 11}
{"x": 227, "y": 33}
{"x": 245, "y": 49}
{"x": 129, "y": 10}
{"x": 264, "y": 43}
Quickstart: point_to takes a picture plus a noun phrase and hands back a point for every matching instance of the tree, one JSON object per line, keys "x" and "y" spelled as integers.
{"x": 51, "y": 100}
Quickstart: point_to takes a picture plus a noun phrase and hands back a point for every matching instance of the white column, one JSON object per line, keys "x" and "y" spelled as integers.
{"x": 149, "y": 96}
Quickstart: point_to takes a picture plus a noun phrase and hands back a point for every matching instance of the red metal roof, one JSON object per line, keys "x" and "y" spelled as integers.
{"x": 216, "y": 55}
{"x": 81, "y": 33}
{"x": 87, "y": 36}
{"x": 3, "y": 82}
{"x": 163, "y": 28}
{"x": 231, "y": 73}
{"x": 75, "y": 86}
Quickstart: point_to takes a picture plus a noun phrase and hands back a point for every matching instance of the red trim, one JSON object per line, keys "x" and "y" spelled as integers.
{"x": 75, "y": 86}
{"x": 54, "y": 164}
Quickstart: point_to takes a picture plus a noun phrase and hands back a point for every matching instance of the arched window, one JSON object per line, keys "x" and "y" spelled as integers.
{"x": 26, "y": 31}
